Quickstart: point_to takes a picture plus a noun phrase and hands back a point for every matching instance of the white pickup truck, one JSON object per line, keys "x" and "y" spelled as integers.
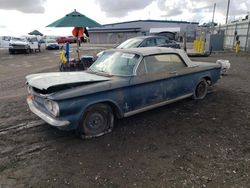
{"x": 23, "y": 44}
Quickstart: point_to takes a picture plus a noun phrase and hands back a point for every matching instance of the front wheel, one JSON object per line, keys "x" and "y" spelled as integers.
{"x": 28, "y": 51}
{"x": 97, "y": 120}
{"x": 201, "y": 90}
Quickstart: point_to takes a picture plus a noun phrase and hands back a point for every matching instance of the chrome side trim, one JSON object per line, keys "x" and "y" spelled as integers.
{"x": 50, "y": 120}
{"x": 156, "y": 105}
{"x": 137, "y": 65}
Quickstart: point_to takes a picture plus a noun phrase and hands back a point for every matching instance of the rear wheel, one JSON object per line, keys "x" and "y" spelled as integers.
{"x": 97, "y": 120}
{"x": 201, "y": 90}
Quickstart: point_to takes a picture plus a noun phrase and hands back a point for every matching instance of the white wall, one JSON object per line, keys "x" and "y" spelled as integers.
{"x": 4, "y": 42}
{"x": 243, "y": 31}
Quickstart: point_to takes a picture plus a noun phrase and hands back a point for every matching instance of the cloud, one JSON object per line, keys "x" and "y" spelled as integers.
{"x": 172, "y": 9}
{"x": 26, "y": 6}
{"x": 199, "y": 9}
{"x": 115, "y": 8}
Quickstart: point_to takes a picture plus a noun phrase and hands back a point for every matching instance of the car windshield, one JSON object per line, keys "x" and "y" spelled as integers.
{"x": 131, "y": 43}
{"x": 19, "y": 39}
{"x": 115, "y": 63}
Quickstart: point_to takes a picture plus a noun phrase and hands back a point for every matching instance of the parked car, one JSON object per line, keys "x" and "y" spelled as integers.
{"x": 19, "y": 44}
{"x": 51, "y": 44}
{"x": 147, "y": 41}
{"x": 71, "y": 39}
{"x": 66, "y": 39}
{"x": 120, "y": 83}
{"x": 61, "y": 40}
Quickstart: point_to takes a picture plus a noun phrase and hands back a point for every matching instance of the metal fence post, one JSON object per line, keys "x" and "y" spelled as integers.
{"x": 235, "y": 30}
{"x": 185, "y": 41}
{"x": 225, "y": 36}
{"x": 247, "y": 36}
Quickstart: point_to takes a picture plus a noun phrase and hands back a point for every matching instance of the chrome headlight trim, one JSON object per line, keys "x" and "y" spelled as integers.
{"x": 52, "y": 107}
{"x": 29, "y": 88}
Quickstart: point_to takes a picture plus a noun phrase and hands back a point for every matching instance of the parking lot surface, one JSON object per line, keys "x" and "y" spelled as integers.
{"x": 185, "y": 144}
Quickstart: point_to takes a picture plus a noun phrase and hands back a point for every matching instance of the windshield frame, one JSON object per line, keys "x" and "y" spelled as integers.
{"x": 93, "y": 71}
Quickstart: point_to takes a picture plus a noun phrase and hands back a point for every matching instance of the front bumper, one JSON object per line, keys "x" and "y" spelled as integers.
{"x": 50, "y": 120}
{"x": 18, "y": 47}
{"x": 53, "y": 47}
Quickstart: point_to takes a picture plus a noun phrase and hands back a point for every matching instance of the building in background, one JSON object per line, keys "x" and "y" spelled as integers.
{"x": 118, "y": 32}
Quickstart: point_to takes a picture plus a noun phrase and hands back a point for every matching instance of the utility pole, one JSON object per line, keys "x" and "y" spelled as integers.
{"x": 213, "y": 18}
{"x": 228, "y": 4}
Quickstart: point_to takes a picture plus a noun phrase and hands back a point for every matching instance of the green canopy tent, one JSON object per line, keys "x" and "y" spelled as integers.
{"x": 35, "y": 32}
{"x": 74, "y": 19}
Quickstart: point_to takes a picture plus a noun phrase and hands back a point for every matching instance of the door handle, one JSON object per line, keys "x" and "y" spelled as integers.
{"x": 173, "y": 72}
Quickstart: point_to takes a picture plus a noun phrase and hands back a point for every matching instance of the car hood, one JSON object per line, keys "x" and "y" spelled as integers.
{"x": 52, "y": 43}
{"x": 19, "y": 42}
{"x": 44, "y": 81}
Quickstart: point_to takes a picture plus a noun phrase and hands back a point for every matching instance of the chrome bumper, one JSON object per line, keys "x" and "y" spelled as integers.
{"x": 50, "y": 120}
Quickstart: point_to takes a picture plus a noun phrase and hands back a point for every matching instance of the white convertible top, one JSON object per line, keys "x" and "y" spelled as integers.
{"x": 145, "y": 51}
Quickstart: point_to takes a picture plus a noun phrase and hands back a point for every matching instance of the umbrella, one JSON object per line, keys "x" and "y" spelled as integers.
{"x": 74, "y": 19}
{"x": 35, "y": 32}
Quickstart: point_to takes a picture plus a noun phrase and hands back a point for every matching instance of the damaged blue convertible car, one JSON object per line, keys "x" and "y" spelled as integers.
{"x": 120, "y": 83}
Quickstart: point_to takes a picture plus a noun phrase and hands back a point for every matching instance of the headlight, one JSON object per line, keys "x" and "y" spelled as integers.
{"x": 52, "y": 107}
{"x": 29, "y": 88}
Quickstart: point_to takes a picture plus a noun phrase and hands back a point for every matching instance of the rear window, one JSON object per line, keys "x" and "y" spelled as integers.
{"x": 161, "y": 63}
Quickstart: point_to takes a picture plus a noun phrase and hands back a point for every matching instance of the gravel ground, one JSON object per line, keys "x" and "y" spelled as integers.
{"x": 186, "y": 144}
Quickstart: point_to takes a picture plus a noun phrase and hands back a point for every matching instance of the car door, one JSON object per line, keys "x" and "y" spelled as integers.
{"x": 148, "y": 42}
{"x": 158, "y": 80}
{"x": 163, "y": 42}
{"x": 147, "y": 87}
{"x": 178, "y": 80}
{"x": 33, "y": 43}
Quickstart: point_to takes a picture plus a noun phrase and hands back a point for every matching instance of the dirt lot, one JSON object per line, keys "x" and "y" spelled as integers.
{"x": 186, "y": 144}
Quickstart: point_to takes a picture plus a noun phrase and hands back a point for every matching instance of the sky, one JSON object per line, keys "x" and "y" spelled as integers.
{"x": 19, "y": 17}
